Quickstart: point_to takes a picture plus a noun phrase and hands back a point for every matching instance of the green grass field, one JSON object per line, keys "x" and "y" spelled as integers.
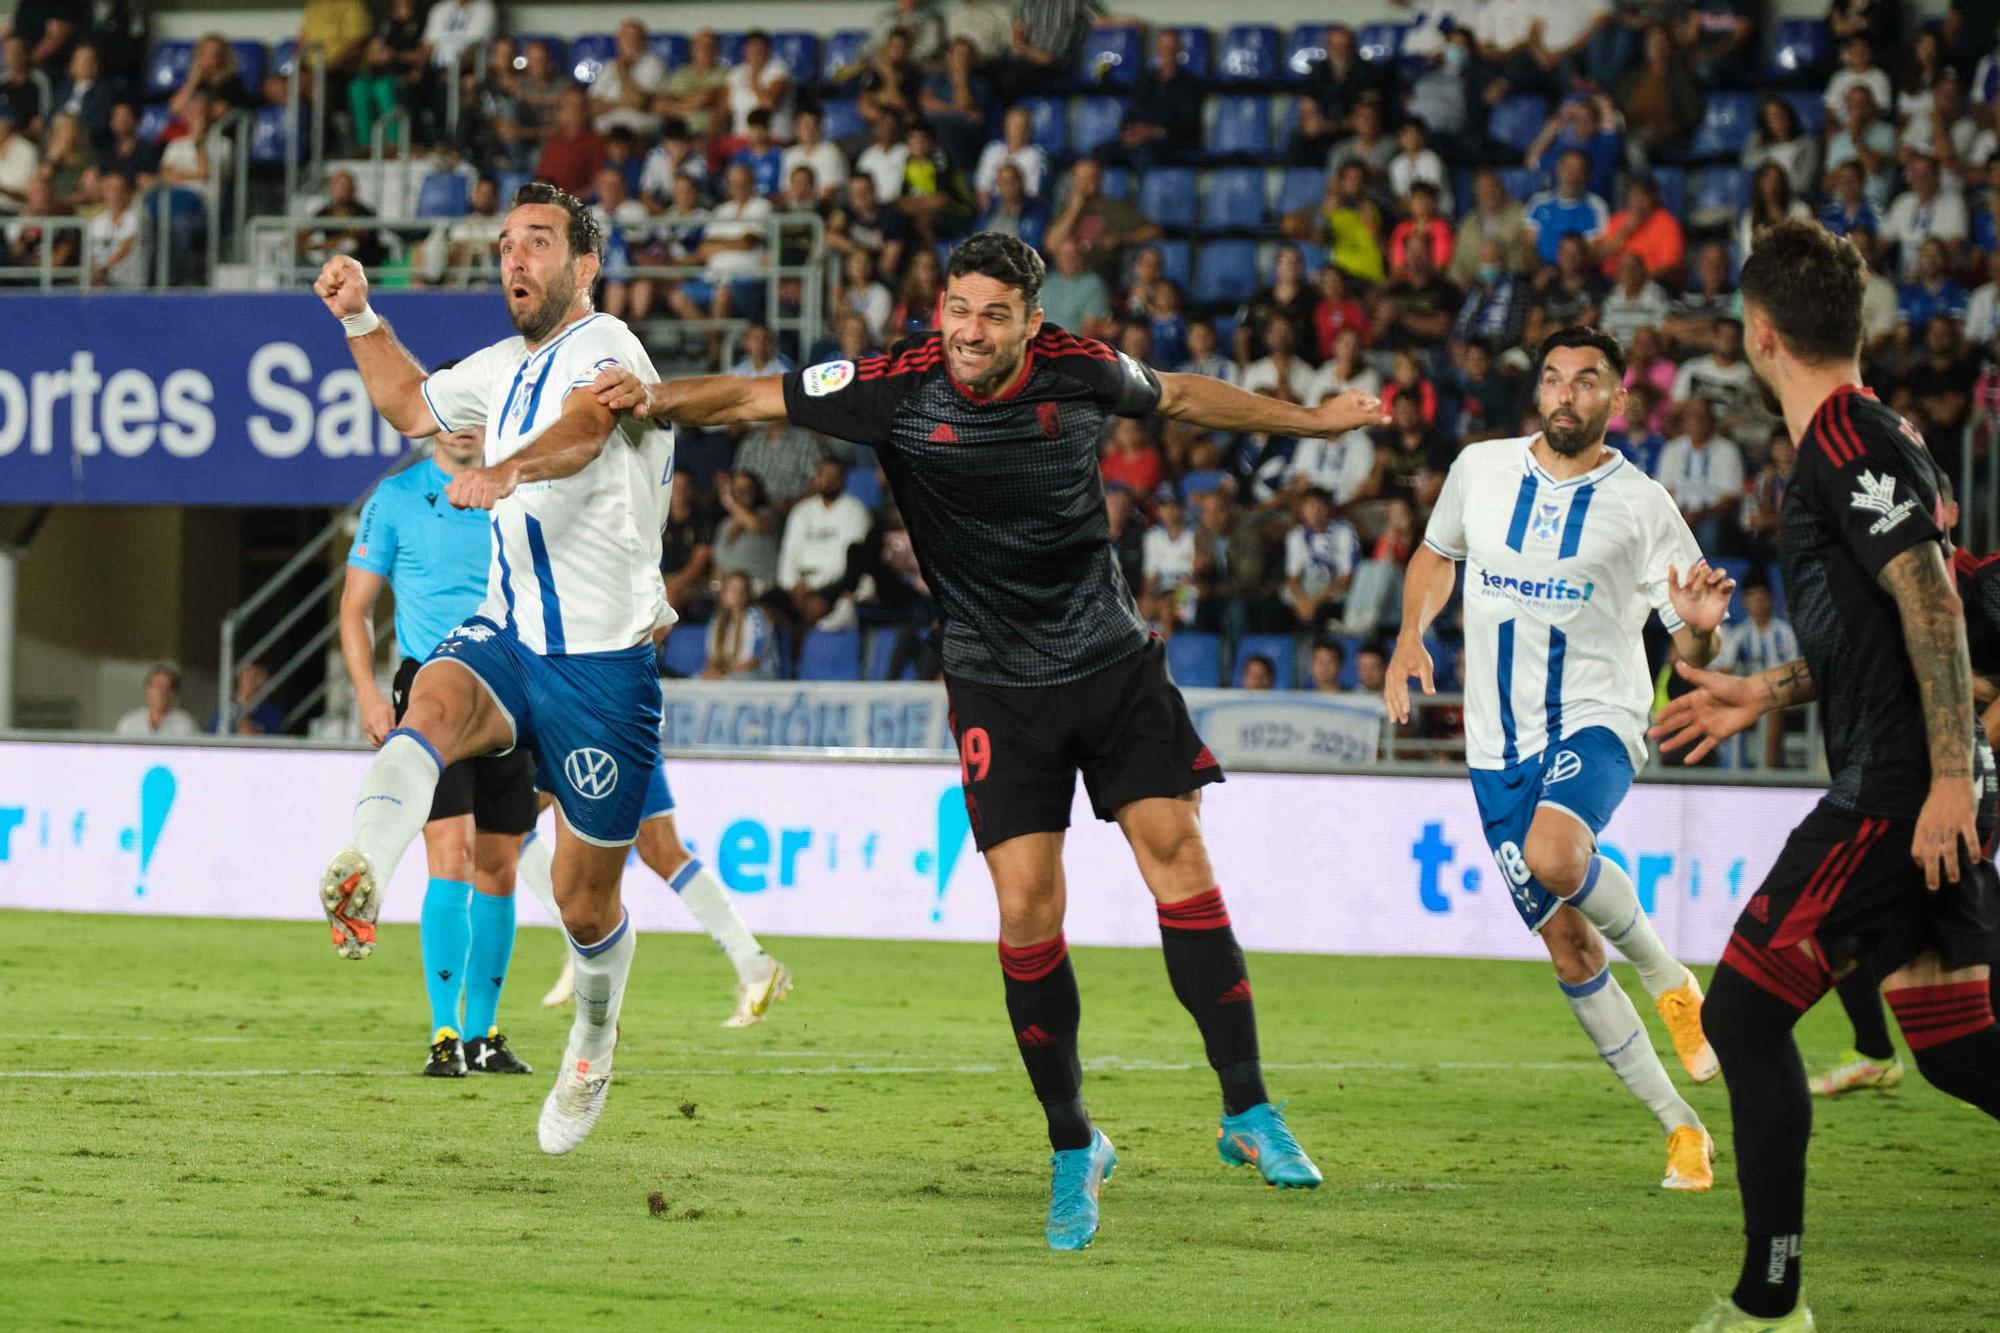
{"x": 216, "y": 1125}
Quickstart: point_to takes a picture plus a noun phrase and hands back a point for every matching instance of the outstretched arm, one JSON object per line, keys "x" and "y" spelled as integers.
{"x": 1206, "y": 401}
{"x": 704, "y": 400}
{"x": 394, "y": 378}
{"x": 1934, "y": 633}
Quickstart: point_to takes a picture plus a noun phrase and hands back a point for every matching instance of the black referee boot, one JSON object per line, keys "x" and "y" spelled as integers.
{"x": 447, "y": 1058}
{"x": 489, "y": 1055}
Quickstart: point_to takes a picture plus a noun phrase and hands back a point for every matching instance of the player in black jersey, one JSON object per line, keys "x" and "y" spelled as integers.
{"x": 988, "y": 432}
{"x": 1889, "y": 873}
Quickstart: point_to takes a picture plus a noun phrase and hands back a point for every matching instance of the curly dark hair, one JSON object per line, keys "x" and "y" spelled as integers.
{"x": 1810, "y": 282}
{"x": 1006, "y": 259}
{"x": 586, "y": 236}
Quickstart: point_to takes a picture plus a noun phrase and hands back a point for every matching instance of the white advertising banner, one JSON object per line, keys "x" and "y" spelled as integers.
{"x": 1289, "y": 730}
{"x": 1308, "y": 863}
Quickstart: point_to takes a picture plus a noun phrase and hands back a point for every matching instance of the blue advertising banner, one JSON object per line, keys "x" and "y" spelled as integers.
{"x": 206, "y": 399}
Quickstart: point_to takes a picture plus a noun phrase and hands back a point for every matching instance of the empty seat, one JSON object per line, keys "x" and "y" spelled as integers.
{"x": 1523, "y": 183}
{"x": 1111, "y": 54}
{"x": 1242, "y": 126}
{"x": 1197, "y": 50}
{"x": 166, "y": 69}
{"x": 268, "y": 137}
{"x": 670, "y": 47}
{"x": 1050, "y": 118}
{"x": 1225, "y": 273}
{"x": 284, "y": 56}
{"x": 1379, "y": 43}
{"x": 840, "y": 50}
{"x": 443, "y": 194}
{"x": 685, "y": 651}
{"x": 1167, "y": 196}
{"x": 840, "y": 118}
{"x": 153, "y": 122}
{"x": 831, "y": 654}
{"x": 1727, "y": 120}
{"x": 250, "y": 64}
{"x": 1722, "y": 193}
{"x": 1118, "y": 183}
{"x": 1303, "y": 188}
{"x": 1096, "y": 122}
{"x": 729, "y": 48}
{"x": 1177, "y": 259}
{"x": 1517, "y": 121}
{"x": 1234, "y": 200}
{"x": 881, "y": 651}
{"x": 1810, "y": 108}
{"x": 1194, "y": 660}
{"x": 1249, "y": 54}
{"x": 1305, "y": 50}
{"x": 800, "y": 52}
{"x": 1802, "y": 49}
{"x": 510, "y": 183}
{"x": 865, "y": 485}
{"x": 1673, "y": 183}
{"x": 1280, "y": 648}
{"x": 590, "y": 53}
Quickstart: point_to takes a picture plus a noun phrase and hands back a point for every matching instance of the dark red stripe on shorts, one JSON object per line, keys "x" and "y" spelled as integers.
{"x": 1824, "y": 888}
{"x": 1790, "y": 975}
{"x": 1032, "y": 962}
{"x": 1933, "y": 1015}
{"x": 1202, "y": 912}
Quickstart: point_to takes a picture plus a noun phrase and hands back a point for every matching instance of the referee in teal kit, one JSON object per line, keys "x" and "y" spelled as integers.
{"x": 434, "y": 559}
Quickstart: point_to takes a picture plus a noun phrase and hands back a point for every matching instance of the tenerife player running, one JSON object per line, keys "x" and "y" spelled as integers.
{"x": 988, "y": 432}
{"x": 560, "y": 656}
{"x": 1567, "y": 549}
{"x": 434, "y": 557}
{"x": 1888, "y": 873}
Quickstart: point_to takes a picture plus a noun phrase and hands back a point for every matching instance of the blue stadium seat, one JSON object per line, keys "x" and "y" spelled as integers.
{"x": 1225, "y": 327}
{"x": 686, "y": 650}
{"x": 1302, "y": 188}
{"x": 558, "y": 48}
{"x": 167, "y": 69}
{"x": 881, "y": 648}
{"x": 443, "y": 194}
{"x": 1167, "y": 196}
{"x": 589, "y": 54}
{"x": 1242, "y": 127}
{"x": 800, "y": 52}
{"x": 865, "y": 485}
{"x": 1095, "y": 122}
{"x": 153, "y": 121}
{"x": 1050, "y": 116}
{"x": 250, "y": 63}
{"x": 1737, "y": 568}
{"x": 840, "y": 117}
{"x": 840, "y": 50}
{"x": 1234, "y": 200}
{"x": 1802, "y": 50}
{"x": 268, "y": 137}
{"x": 1673, "y": 183}
{"x": 1775, "y": 572}
{"x": 1118, "y": 183}
{"x": 1517, "y": 120}
{"x": 831, "y": 654}
{"x": 1810, "y": 108}
{"x": 1304, "y": 50}
{"x": 1523, "y": 183}
{"x": 1249, "y": 54}
{"x": 1111, "y": 55}
{"x": 1197, "y": 50}
{"x": 1445, "y": 655}
{"x": 729, "y": 48}
{"x": 1280, "y": 648}
{"x": 1380, "y": 43}
{"x": 1722, "y": 190}
{"x": 670, "y": 47}
{"x": 1194, "y": 660}
{"x": 1727, "y": 121}
{"x": 1177, "y": 259}
{"x": 284, "y": 56}
{"x": 1225, "y": 273}
{"x": 509, "y": 184}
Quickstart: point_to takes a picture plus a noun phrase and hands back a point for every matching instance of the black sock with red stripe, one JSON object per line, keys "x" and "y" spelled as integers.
{"x": 1862, "y": 1000}
{"x": 1950, "y": 1030}
{"x": 1209, "y": 977}
{"x": 1045, "y": 1012}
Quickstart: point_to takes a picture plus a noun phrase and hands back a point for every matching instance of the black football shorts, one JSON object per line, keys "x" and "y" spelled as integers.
{"x": 497, "y": 790}
{"x": 1125, "y": 727}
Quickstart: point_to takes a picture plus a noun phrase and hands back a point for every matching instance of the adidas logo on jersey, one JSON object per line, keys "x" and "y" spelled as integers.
{"x": 944, "y": 434}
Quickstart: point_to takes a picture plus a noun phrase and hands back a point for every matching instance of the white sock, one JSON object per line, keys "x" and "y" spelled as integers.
{"x": 1609, "y": 902}
{"x": 601, "y": 969}
{"x": 1609, "y": 1020}
{"x": 537, "y": 870}
{"x": 395, "y": 801}
{"x": 708, "y": 902}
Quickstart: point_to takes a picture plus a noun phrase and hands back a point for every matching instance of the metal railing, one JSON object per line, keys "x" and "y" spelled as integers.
{"x": 47, "y": 274}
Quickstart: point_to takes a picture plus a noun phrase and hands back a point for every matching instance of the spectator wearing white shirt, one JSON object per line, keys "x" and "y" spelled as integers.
{"x": 1982, "y": 322}
{"x": 1016, "y": 144}
{"x": 1343, "y": 468}
{"x": 19, "y": 161}
{"x": 1321, "y": 553}
{"x": 1167, "y": 595}
{"x": 812, "y": 150}
{"x": 1943, "y": 130}
{"x": 885, "y": 157}
{"x": 760, "y": 79}
{"x": 760, "y": 355}
{"x": 1922, "y": 211}
{"x": 739, "y": 635}
{"x": 1722, "y": 377}
{"x": 734, "y": 246}
{"x": 675, "y": 156}
{"x": 812, "y": 558}
{"x": 1757, "y": 643}
{"x": 162, "y": 714}
{"x": 1203, "y": 359}
{"x": 1857, "y": 62}
{"x": 1703, "y": 471}
{"x": 454, "y": 27}
{"x": 1347, "y": 369}
{"x": 622, "y": 96}
{"x": 117, "y": 238}
{"x": 860, "y": 294}
{"x": 1281, "y": 374}
{"x": 1637, "y": 302}
{"x": 1417, "y": 161}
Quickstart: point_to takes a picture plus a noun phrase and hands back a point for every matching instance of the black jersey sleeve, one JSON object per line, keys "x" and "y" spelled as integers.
{"x": 851, "y": 400}
{"x": 1874, "y": 485}
{"x": 1117, "y": 383}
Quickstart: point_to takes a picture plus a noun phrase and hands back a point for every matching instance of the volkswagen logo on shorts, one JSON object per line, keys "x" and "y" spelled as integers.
{"x": 1567, "y": 765}
{"x": 593, "y": 773}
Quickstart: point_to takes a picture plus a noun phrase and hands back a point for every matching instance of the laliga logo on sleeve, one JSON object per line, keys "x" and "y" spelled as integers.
{"x": 593, "y": 773}
{"x": 1878, "y": 495}
{"x": 830, "y": 377}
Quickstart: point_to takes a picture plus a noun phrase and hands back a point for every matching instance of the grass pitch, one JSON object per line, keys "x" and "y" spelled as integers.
{"x": 217, "y": 1125}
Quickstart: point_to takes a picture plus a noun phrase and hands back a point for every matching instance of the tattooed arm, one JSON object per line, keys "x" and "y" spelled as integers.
{"x": 1787, "y": 685}
{"x": 1934, "y": 632}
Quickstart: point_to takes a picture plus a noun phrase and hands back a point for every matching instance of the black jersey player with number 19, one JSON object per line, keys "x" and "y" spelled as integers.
{"x": 988, "y": 431}
{"x": 1889, "y": 873}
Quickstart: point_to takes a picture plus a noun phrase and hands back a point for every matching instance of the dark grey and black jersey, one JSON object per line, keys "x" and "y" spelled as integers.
{"x": 1002, "y": 496}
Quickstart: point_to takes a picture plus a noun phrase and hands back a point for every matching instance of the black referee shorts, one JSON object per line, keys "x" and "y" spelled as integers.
{"x": 1844, "y": 890}
{"x": 497, "y": 790}
{"x": 1125, "y": 728}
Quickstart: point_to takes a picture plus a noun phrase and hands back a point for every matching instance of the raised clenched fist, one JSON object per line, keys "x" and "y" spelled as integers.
{"x": 343, "y": 286}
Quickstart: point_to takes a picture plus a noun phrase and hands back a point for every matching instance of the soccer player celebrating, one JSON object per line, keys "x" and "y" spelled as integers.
{"x": 560, "y": 656}
{"x": 1887, "y": 873}
{"x": 434, "y": 559}
{"x": 1567, "y": 549}
{"x": 988, "y": 432}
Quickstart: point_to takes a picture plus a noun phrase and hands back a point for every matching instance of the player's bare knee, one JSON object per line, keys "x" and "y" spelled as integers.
{"x": 1030, "y": 918}
{"x": 1557, "y": 858}
{"x": 590, "y": 917}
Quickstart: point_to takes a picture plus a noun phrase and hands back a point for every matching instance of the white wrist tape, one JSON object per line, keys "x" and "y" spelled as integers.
{"x": 363, "y": 324}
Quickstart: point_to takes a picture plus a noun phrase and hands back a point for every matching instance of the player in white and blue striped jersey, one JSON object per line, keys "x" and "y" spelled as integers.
{"x": 1567, "y": 550}
{"x": 559, "y": 657}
